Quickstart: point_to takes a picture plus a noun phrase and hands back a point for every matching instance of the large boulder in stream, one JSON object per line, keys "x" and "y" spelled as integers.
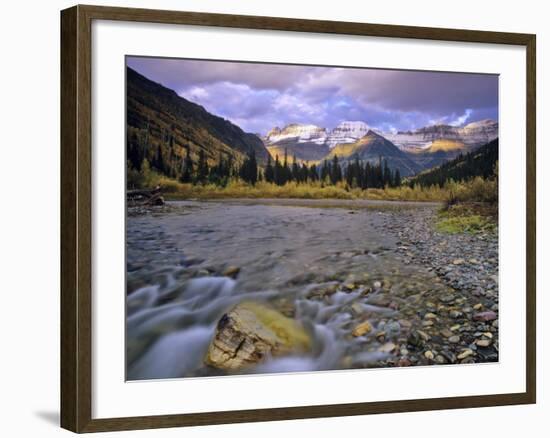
{"x": 249, "y": 332}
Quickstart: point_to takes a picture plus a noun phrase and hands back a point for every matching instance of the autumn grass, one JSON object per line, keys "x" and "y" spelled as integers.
{"x": 476, "y": 190}
{"x": 237, "y": 189}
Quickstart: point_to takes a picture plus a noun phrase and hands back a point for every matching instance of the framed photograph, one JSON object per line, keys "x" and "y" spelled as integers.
{"x": 269, "y": 218}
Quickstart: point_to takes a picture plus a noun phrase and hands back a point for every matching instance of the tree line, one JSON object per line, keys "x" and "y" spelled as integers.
{"x": 186, "y": 169}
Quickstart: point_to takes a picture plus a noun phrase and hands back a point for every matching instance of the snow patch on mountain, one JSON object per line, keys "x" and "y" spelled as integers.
{"x": 347, "y": 132}
{"x": 302, "y": 134}
{"x": 472, "y": 134}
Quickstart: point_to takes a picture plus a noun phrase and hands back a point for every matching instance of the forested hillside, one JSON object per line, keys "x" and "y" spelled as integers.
{"x": 163, "y": 129}
{"x": 479, "y": 162}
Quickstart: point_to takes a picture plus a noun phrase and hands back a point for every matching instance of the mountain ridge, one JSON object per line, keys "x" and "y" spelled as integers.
{"x": 161, "y": 126}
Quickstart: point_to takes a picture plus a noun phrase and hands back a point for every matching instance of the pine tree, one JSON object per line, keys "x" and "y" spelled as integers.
{"x": 387, "y": 176}
{"x": 253, "y": 165}
{"x": 249, "y": 169}
{"x": 295, "y": 173}
{"x": 277, "y": 172}
{"x": 335, "y": 171}
{"x": 158, "y": 162}
{"x": 313, "y": 175}
{"x": 397, "y": 178}
{"x": 286, "y": 170}
{"x": 269, "y": 177}
{"x": 187, "y": 172}
{"x": 202, "y": 167}
{"x": 304, "y": 173}
{"x": 325, "y": 171}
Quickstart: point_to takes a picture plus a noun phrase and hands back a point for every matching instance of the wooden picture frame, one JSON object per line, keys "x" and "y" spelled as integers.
{"x": 76, "y": 217}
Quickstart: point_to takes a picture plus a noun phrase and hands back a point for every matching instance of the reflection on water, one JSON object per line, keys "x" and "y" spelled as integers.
{"x": 287, "y": 255}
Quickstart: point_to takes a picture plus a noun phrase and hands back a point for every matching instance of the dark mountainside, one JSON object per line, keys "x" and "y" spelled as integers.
{"x": 440, "y": 151}
{"x": 373, "y": 147}
{"x": 161, "y": 126}
{"x": 479, "y": 162}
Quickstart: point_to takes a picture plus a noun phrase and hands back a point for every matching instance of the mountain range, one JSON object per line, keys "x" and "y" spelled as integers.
{"x": 162, "y": 126}
{"x": 417, "y": 150}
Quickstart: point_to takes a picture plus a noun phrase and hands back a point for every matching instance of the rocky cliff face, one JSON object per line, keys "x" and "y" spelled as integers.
{"x": 472, "y": 135}
{"x": 298, "y": 133}
{"x": 480, "y": 132}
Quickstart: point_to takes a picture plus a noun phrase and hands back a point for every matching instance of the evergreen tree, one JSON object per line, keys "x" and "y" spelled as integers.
{"x": 335, "y": 171}
{"x": 312, "y": 173}
{"x": 269, "y": 176}
{"x": 253, "y": 164}
{"x": 286, "y": 170}
{"x": 187, "y": 172}
{"x": 249, "y": 169}
{"x": 397, "y": 178}
{"x": 202, "y": 167}
{"x": 158, "y": 161}
{"x": 295, "y": 173}
{"x": 304, "y": 173}
{"x": 277, "y": 172}
{"x": 387, "y": 176}
{"x": 325, "y": 171}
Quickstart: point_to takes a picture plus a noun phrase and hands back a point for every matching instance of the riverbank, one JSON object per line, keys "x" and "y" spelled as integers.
{"x": 373, "y": 283}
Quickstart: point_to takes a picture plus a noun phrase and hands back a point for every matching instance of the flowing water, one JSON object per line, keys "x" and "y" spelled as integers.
{"x": 288, "y": 253}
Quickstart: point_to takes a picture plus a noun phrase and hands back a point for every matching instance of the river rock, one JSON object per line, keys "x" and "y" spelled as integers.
{"x": 250, "y": 331}
{"x": 465, "y": 353}
{"x": 447, "y": 298}
{"x": 455, "y": 314}
{"x": 483, "y": 343}
{"x": 231, "y": 271}
{"x": 485, "y": 316}
{"x": 362, "y": 329}
{"x": 388, "y": 347}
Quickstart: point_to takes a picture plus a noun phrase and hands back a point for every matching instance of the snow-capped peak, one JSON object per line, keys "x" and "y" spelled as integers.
{"x": 347, "y": 132}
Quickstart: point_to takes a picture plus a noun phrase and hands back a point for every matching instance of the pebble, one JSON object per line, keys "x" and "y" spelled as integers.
{"x": 429, "y": 355}
{"x": 231, "y": 271}
{"x": 465, "y": 353}
{"x": 447, "y": 298}
{"x": 388, "y": 347}
{"x": 485, "y": 316}
{"x": 454, "y": 339}
{"x": 483, "y": 343}
{"x": 393, "y": 327}
{"x": 362, "y": 329}
{"x": 423, "y": 335}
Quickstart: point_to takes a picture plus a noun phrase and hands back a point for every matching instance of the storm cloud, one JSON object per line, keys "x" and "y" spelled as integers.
{"x": 258, "y": 97}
